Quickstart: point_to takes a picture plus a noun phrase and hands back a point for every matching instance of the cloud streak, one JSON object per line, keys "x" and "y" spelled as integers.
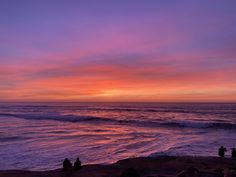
{"x": 131, "y": 51}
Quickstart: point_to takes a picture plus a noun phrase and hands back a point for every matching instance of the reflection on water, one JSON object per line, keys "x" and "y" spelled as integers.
{"x": 40, "y": 136}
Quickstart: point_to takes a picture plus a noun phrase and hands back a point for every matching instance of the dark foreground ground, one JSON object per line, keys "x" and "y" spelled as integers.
{"x": 145, "y": 167}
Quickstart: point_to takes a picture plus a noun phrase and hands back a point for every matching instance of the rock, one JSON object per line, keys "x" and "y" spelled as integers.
{"x": 130, "y": 172}
{"x": 190, "y": 172}
{"x": 211, "y": 174}
{"x": 230, "y": 173}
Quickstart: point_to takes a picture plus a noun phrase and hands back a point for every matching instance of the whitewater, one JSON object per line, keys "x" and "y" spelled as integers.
{"x": 34, "y": 133}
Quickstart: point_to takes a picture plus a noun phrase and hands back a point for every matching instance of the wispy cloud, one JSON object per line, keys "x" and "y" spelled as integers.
{"x": 131, "y": 50}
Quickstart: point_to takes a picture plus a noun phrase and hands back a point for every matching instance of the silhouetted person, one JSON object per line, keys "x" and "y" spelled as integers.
{"x": 67, "y": 164}
{"x": 233, "y": 153}
{"x": 77, "y": 164}
{"x": 130, "y": 172}
{"x": 222, "y": 151}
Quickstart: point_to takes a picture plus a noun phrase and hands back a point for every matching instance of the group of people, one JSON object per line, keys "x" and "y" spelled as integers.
{"x": 68, "y": 165}
{"x": 222, "y": 151}
{"x": 77, "y": 165}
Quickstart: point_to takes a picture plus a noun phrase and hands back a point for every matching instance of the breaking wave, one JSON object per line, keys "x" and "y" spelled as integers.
{"x": 135, "y": 122}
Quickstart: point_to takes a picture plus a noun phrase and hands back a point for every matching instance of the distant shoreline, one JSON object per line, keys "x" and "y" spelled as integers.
{"x": 118, "y": 102}
{"x": 168, "y": 166}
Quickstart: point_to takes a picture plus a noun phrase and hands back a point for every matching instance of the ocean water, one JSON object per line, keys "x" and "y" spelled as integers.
{"x": 38, "y": 136}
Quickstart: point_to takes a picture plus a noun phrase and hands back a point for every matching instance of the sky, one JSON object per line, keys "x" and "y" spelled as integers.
{"x": 118, "y": 50}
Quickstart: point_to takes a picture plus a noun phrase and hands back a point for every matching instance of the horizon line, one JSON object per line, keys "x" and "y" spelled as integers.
{"x": 157, "y": 102}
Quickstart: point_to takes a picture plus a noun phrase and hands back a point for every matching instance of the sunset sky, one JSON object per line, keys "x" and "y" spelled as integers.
{"x": 118, "y": 50}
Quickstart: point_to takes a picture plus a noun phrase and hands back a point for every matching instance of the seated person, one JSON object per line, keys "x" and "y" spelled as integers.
{"x": 77, "y": 164}
{"x": 67, "y": 164}
{"x": 222, "y": 151}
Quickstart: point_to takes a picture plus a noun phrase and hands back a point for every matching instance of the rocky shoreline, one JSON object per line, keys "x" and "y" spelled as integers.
{"x": 163, "y": 166}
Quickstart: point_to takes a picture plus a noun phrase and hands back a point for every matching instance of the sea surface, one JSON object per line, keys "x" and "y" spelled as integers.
{"x": 38, "y": 136}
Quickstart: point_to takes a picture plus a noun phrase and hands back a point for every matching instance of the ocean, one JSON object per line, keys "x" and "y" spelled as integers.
{"x": 38, "y": 136}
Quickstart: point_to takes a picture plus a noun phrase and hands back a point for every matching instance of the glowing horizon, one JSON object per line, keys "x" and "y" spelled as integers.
{"x": 153, "y": 51}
